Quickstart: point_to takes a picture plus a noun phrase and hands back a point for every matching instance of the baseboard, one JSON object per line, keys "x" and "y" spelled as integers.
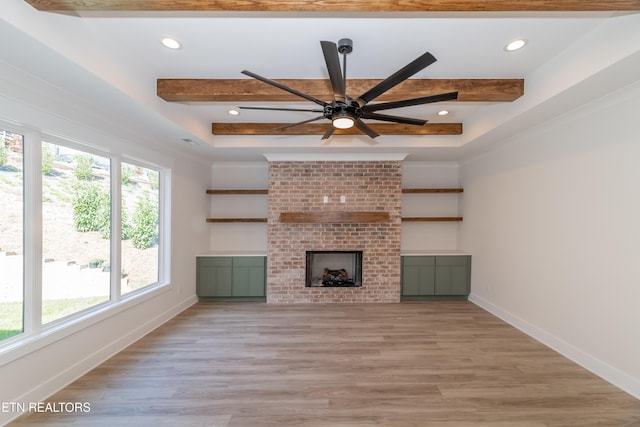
{"x": 66, "y": 377}
{"x": 605, "y": 371}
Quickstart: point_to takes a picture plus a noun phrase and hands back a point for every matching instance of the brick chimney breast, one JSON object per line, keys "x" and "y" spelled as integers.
{"x": 365, "y": 186}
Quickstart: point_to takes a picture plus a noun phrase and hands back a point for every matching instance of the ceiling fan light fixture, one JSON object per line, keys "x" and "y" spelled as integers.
{"x": 343, "y": 121}
{"x": 443, "y": 112}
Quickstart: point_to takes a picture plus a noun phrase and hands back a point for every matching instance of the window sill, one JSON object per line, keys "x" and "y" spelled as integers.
{"x": 21, "y": 345}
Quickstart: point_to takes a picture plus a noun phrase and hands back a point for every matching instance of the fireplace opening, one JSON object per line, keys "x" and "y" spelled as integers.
{"x": 334, "y": 269}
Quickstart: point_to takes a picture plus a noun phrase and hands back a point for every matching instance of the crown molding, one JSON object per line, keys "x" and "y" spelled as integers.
{"x": 335, "y": 157}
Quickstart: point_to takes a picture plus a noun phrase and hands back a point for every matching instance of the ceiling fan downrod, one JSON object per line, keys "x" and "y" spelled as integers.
{"x": 345, "y": 47}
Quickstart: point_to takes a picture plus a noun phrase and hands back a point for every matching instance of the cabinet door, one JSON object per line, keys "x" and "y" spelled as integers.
{"x": 248, "y": 277}
{"x": 214, "y": 276}
{"x": 418, "y": 275}
{"x": 452, "y": 275}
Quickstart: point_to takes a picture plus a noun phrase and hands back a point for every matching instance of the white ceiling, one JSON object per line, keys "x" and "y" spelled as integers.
{"x": 111, "y": 62}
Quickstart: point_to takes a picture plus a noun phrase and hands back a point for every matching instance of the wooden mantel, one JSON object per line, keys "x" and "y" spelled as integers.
{"x": 334, "y": 217}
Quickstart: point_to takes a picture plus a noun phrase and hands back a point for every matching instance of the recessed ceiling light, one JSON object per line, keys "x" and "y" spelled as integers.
{"x": 515, "y": 45}
{"x": 443, "y": 112}
{"x": 189, "y": 141}
{"x": 234, "y": 112}
{"x": 170, "y": 43}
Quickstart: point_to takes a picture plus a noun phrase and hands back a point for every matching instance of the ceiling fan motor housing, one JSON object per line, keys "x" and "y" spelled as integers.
{"x": 339, "y": 109}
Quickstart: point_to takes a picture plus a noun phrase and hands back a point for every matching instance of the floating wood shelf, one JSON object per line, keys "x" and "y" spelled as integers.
{"x": 431, "y": 190}
{"x": 339, "y": 216}
{"x": 431, "y": 218}
{"x": 334, "y": 217}
{"x": 237, "y": 191}
{"x": 236, "y": 219}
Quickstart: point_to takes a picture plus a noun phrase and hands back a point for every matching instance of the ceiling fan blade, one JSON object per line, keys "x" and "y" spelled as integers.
{"x": 399, "y": 76}
{"x": 300, "y": 123}
{"x": 409, "y": 102}
{"x": 282, "y": 109}
{"x": 366, "y": 129}
{"x": 396, "y": 119}
{"x": 330, "y": 51}
{"x": 283, "y": 87}
{"x": 329, "y": 132}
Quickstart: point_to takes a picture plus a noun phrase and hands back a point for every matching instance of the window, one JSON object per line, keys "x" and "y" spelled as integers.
{"x": 11, "y": 234}
{"x": 140, "y": 214}
{"x": 61, "y": 202}
{"x": 76, "y": 209}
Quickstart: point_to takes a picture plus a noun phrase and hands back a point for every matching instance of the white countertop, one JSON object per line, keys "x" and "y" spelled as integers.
{"x": 433, "y": 252}
{"x": 233, "y": 253}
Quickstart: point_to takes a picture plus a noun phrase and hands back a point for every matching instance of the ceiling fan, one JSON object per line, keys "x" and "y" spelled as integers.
{"x": 345, "y": 112}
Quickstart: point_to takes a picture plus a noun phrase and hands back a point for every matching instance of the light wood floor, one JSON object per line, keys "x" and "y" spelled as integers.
{"x": 409, "y": 364}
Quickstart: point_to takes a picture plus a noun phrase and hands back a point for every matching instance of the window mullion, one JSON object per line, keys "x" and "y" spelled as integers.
{"x": 116, "y": 228}
{"x": 164, "y": 209}
{"x": 32, "y": 233}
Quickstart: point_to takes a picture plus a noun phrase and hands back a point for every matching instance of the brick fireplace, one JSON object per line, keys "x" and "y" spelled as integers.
{"x": 370, "y": 189}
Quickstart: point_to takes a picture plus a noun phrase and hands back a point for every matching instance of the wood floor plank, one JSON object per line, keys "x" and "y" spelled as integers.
{"x": 439, "y": 363}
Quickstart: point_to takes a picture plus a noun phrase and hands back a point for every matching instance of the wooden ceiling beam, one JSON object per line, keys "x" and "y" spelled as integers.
{"x": 250, "y": 90}
{"x": 335, "y": 5}
{"x": 320, "y": 129}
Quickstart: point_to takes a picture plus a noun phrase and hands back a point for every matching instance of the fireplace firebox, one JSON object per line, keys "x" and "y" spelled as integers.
{"x": 334, "y": 269}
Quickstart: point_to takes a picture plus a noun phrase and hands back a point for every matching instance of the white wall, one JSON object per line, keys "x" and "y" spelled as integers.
{"x": 243, "y": 236}
{"x": 420, "y": 236}
{"x": 35, "y": 370}
{"x": 552, "y": 221}
{"x": 46, "y": 368}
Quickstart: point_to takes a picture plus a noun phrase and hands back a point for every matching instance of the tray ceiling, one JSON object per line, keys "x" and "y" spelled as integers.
{"x": 108, "y": 54}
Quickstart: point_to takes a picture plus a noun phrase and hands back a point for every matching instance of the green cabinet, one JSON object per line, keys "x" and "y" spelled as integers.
{"x": 231, "y": 278}
{"x": 213, "y": 276}
{"x": 248, "y": 277}
{"x": 418, "y": 275}
{"x": 452, "y": 275}
{"x": 435, "y": 277}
